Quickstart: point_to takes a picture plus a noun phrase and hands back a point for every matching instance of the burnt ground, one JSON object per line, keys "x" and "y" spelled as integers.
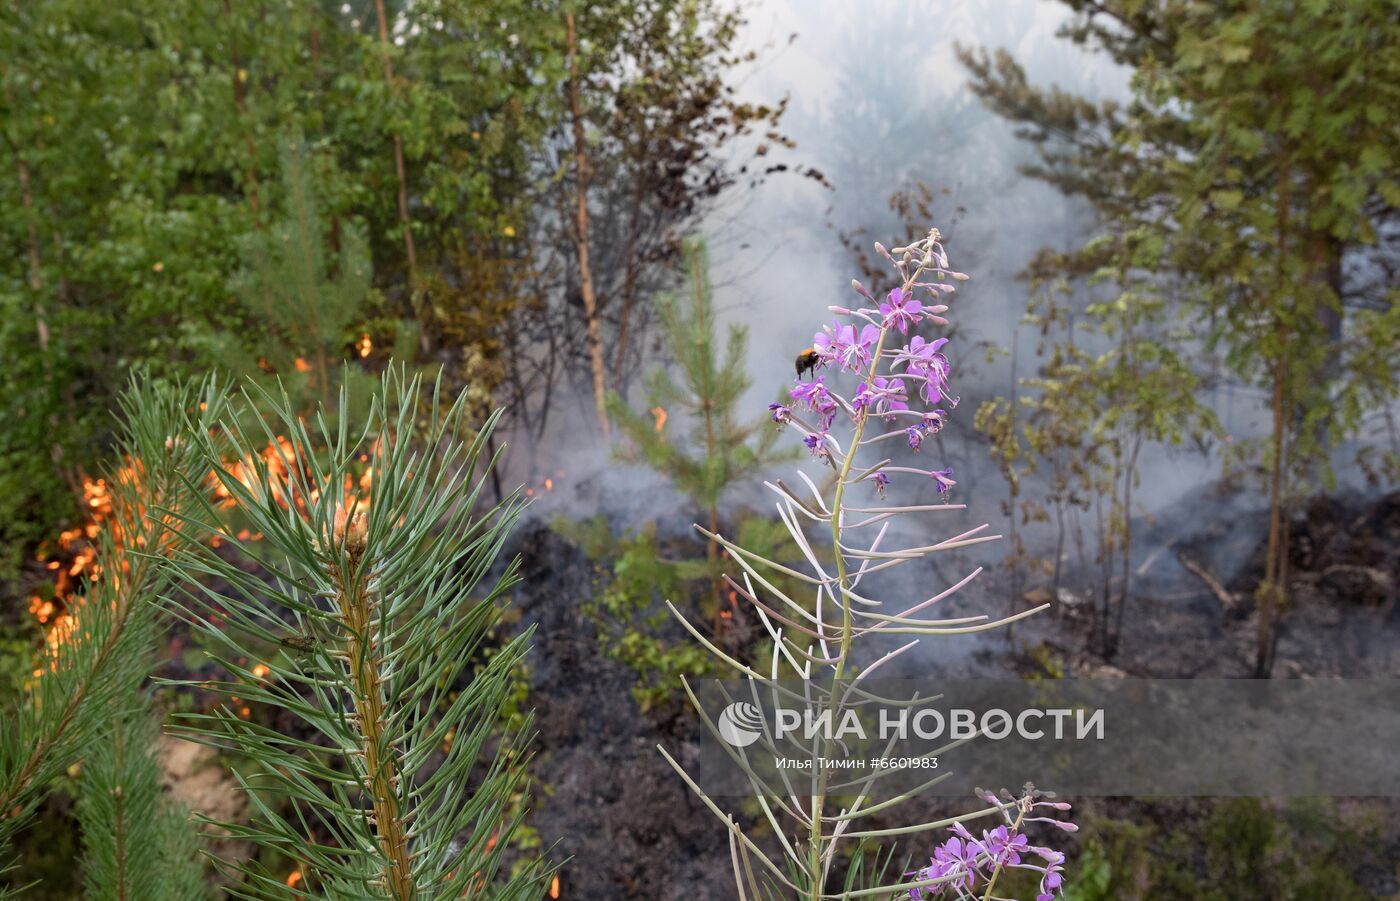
{"x": 631, "y": 830}
{"x": 627, "y": 823}
{"x": 1192, "y": 612}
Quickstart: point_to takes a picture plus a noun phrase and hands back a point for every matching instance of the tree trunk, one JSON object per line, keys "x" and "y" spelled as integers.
{"x": 1271, "y": 591}
{"x": 1271, "y": 594}
{"x": 405, "y": 221}
{"x": 1013, "y": 487}
{"x": 240, "y": 103}
{"x": 1123, "y": 589}
{"x": 629, "y": 282}
{"x": 593, "y": 328}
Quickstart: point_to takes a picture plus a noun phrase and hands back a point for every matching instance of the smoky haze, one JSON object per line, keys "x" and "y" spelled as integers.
{"x": 878, "y": 102}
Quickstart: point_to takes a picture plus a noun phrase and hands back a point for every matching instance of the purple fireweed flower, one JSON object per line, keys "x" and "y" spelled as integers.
{"x": 967, "y": 859}
{"x": 817, "y": 443}
{"x": 957, "y": 857}
{"x": 814, "y": 396}
{"x": 917, "y": 352}
{"x": 901, "y": 310}
{"x": 881, "y": 482}
{"x": 921, "y": 358}
{"x": 839, "y": 343}
{"x": 916, "y": 437}
{"x": 882, "y": 396}
{"x": 944, "y": 478}
{"x": 934, "y": 420}
{"x": 780, "y": 414}
{"x": 1049, "y": 884}
{"x": 1004, "y": 847}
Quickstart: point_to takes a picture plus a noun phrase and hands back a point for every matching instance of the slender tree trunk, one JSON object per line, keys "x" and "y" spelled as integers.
{"x": 1127, "y": 540}
{"x": 1326, "y": 262}
{"x": 405, "y": 221}
{"x": 594, "y": 330}
{"x": 1014, "y": 486}
{"x": 1272, "y": 593}
{"x": 41, "y": 316}
{"x": 240, "y": 103}
{"x": 629, "y": 282}
{"x": 1059, "y": 552}
{"x": 36, "y": 272}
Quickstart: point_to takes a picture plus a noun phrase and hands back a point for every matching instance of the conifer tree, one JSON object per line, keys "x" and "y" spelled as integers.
{"x": 310, "y": 293}
{"x": 137, "y": 843}
{"x": 719, "y": 449}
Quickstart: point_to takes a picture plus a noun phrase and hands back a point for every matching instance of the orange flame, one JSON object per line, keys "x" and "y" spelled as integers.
{"x": 554, "y": 886}
{"x": 365, "y": 346}
{"x": 660, "y": 414}
{"x": 78, "y": 552}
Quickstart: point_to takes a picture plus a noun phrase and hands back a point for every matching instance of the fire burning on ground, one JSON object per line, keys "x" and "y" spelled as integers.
{"x": 73, "y": 556}
{"x": 545, "y": 485}
{"x": 71, "y": 559}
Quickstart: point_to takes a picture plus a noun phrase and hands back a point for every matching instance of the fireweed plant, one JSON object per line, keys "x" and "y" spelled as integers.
{"x": 901, "y": 395}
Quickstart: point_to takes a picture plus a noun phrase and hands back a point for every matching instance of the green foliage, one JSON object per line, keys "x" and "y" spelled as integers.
{"x": 138, "y": 143}
{"x": 1240, "y": 850}
{"x": 369, "y": 622}
{"x": 1253, "y": 161}
{"x": 1112, "y": 380}
{"x": 308, "y": 303}
{"x": 118, "y": 238}
{"x": 626, "y": 608}
{"x": 719, "y": 450}
{"x": 137, "y": 844}
{"x": 98, "y": 660}
{"x": 141, "y": 148}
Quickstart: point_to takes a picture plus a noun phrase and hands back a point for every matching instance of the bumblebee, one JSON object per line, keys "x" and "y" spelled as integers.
{"x": 807, "y": 361}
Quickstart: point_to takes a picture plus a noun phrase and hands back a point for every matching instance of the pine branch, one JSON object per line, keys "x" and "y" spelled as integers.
{"x": 367, "y": 617}
{"x": 98, "y": 654}
{"x": 138, "y": 844}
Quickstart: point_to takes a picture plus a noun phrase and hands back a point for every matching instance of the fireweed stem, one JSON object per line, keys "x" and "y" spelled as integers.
{"x": 1015, "y": 828}
{"x": 815, "y": 851}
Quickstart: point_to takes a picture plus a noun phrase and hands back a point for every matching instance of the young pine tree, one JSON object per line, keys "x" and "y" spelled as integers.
{"x": 364, "y": 627}
{"x": 720, "y": 449}
{"x": 309, "y": 281}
